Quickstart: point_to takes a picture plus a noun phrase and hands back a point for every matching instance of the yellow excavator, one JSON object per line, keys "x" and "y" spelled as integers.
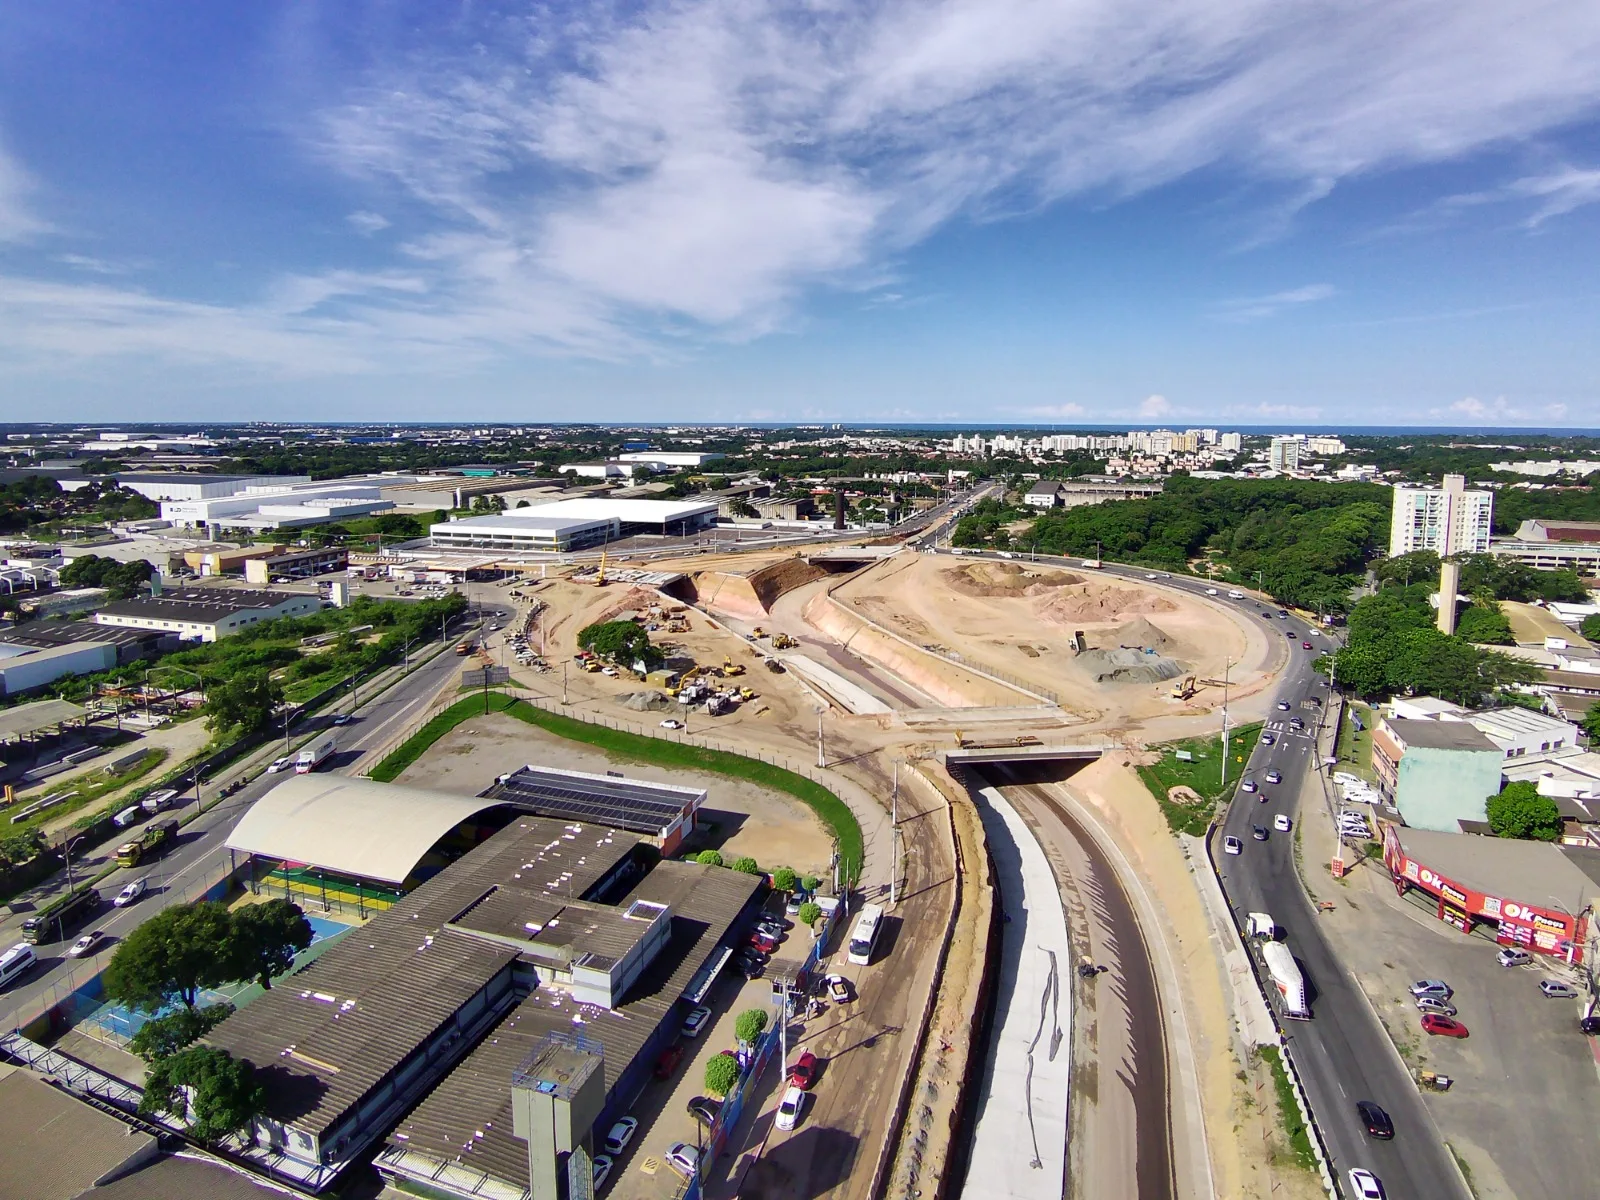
{"x": 1185, "y": 689}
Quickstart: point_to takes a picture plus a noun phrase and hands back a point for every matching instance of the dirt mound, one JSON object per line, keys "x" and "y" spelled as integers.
{"x": 987, "y": 578}
{"x": 749, "y": 596}
{"x": 1127, "y": 666}
{"x": 647, "y": 701}
{"x": 1138, "y": 633}
{"x": 1098, "y": 604}
{"x": 633, "y": 600}
{"x": 773, "y": 581}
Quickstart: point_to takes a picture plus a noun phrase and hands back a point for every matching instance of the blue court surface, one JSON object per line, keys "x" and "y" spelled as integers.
{"x": 113, "y": 1023}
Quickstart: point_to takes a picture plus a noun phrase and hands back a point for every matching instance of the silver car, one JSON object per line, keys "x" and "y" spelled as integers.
{"x": 1432, "y": 1004}
{"x": 1557, "y": 990}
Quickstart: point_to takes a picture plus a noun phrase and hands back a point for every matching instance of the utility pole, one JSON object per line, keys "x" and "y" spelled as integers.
{"x": 894, "y": 837}
{"x": 821, "y": 760}
{"x": 563, "y": 683}
{"x": 1227, "y": 665}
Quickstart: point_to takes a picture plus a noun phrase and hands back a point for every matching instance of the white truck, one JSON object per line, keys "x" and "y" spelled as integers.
{"x": 314, "y": 754}
{"x": 1094, "y": 564}
{"x": 1286, "y": 975}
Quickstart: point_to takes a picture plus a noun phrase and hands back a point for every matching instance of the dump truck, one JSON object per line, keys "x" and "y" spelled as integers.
{"x": 53, "y": 923}
{"x": 152, "y": 843}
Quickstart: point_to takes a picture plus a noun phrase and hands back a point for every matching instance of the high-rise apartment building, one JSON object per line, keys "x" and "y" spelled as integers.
{"x": 1284, "y": 454}
{"x": 1447, "y": 520}
{"x": 1231, "y": 443}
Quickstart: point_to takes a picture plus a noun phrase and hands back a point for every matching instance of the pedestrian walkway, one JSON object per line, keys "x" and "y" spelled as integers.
{"x": 1020, "y": 1136}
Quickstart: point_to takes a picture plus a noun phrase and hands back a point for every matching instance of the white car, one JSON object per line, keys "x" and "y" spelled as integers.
{"x": 672, "y": 723}
{"x": 699, "y": 1016}
{"x": 1364, "y": 1185}
{"x": 684, "y": 1159}
{"x": 280, "y": 764}
{"x": 602, "y": 1171}
{"x": 1249, "y": 785}
{"x": 85, "y": 944}
{"x": 131, "y": 892}
{"x": 1232, "y": 845}
{"x": 621, "y": 1134}
{"x": 1211, "y": 591}
{"x": 789, "y": 1108}
{"x": 1281, "y": 823}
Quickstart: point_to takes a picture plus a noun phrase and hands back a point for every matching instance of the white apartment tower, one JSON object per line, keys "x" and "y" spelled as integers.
{"x": 1448, "y": 520}
{"x": 1284, "y": 454}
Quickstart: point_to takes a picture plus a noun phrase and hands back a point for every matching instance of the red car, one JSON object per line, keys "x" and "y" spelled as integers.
{"x": 1443, "y": 1026}
{"x": 763, "y": 943}
{"x": 669, "y": 1060}
{"x": 1305, "y": 645}
{"x": 804, "y": 1072}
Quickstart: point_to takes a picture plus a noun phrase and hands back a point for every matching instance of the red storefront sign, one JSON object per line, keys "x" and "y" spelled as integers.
{"x": 1543, "y": 930}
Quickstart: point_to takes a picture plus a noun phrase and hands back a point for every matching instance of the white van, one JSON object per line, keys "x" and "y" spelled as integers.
{"x": 159, "y": 801}
{"x": 15, "y": 963}
{"x": 128, "y": 816}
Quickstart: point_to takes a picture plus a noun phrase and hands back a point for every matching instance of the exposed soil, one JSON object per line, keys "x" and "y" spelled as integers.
{"x": 1099, "y": 602}
{"x": 986, "y": 578}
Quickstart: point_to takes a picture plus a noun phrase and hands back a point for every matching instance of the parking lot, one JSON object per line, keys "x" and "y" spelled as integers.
{"x": 1519, "y": 1115}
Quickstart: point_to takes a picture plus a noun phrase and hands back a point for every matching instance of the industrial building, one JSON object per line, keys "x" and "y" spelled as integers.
{"x": 670, "y": 460}
{"x": 662, "y": 812}
{"x": 23, "y": 668}
{"x": 283, "y": 505}
{"x": 179, "y": 485}
{"x": 131, "y": 644}
{"x": 574, "y": 524}
{"x": 1447, "y": 520}
{"x": 296, "y": 564}
{"x": 205, "y": 614}
{"x": 1553, "y": 546}
{"x": 453, "y": 996}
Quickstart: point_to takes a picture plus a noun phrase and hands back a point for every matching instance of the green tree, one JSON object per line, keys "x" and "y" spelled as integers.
{"x": 170, "y": 957}
{"x": 722, "y": 1072}
{"x": 1519, "y": 811}
{"x": 621, "y": 642}
{"x": 709, "y": 857}
{"x": 743, "y": 508}
{"x": 783, "y": 879}
{"x": 1591, "y": 722}
{"x": 1591, "y": 627}
{"x": 264, "y": 938}
{"x": 810, "y": 911}
{"x": 162, "y": 1037}
{"x": 746, "y": 866}
{"x": 1484, "y": 624}
{"x": 750, "y": 1024}
{"x": 216, "y": 1093}
{"x": 120, "y": 579}
{"x": 810, "y": 883}
{"x": 245, "y": 702}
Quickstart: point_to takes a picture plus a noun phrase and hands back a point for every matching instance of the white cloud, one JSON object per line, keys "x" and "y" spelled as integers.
{"x": 1155, "y": 408}
{"x": 1558, "y": 192}
{"x": 1472, "y": 407}
{"x": 367, "y": 223}
{"x": 1257, "y": 308}
{"x": 1055, "y": 411}
{"x": 17, "y": 218}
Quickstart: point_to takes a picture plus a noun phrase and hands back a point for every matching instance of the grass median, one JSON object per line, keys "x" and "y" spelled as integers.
{"x": 1294, "y": 1126}
{"x": 1201, "y": 773}
{"x": 832, "y": 811}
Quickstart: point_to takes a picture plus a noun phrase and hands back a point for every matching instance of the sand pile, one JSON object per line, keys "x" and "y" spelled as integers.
{"x": 1098, "y": 604}
{"x": 647, "y": 701}
{"x": 986, "y": 578}
{"x": 1139, "y": 633}
{"x": 635, "y": 599}
{"x": 1127, "y": 666}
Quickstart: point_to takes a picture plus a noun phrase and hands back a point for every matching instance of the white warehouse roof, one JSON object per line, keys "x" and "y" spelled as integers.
{"x": 356, "y": 827}
{"x": 643, "y": 512}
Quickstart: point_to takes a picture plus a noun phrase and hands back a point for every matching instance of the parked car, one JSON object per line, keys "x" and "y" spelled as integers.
{"x": 1232, "y": 845}
{"x": 85, "y": 944}
{"x": 1556, "y": 990}
{"x": 1431, "y": 1004}
{"x": 751, "y": 968}
{"x": 684, "y": 1159}
{"x": 1364, "y": 1185}
{"x": 621, "y": 1134}
{"x": 838, "y": 989}
{"x": 763, "y": 943}
{"x": 1511, "y": 956}
{"x": 1590, "y": 1025}
{"x": 1282, "y": 823}
{"x": 704, "y": 1109}
{"x": 280, "y": 764}
{"x": 789, "y": 1108}
{"x": 131, "y": 892}
{"x": 697, "y": 1019}
{"x": 1259, "y": 832}
{"x": 1443, "y": 1026}
{"x": 602, "y": 1171}
{"x": 1378, "y": 1122}
{"x": 804, "y": 1071}
{"x": 667, "y": 1061}
{"x": 1437, "y": 988}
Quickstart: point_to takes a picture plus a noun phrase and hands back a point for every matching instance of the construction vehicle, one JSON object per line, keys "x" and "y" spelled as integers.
{"x": 51, "y": 924}
{"x": 782, "y": 641}
{"x": 731, "y": 668}
{"x": 150, "y": 844}
{"x": 1185, "y": 689}
{"x": 600, "y": 575}
{"x": 747, "y": 694}
{"x": 758, "y": 632}
{"x": 1022, "y": 739}
{"x": 591, "y": 665}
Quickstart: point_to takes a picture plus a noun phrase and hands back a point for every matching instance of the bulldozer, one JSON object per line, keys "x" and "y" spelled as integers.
{"x": 782, "y": 641}
{"x": 731, "y": 668}
{"x": 1185, "y": 689}
{"x": 758, "y": 633}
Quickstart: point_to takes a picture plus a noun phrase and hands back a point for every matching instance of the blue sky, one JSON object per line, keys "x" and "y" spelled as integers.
{"x": 1335, "y": 211}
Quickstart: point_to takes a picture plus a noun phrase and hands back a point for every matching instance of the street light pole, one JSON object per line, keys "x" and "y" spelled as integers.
{"x": 1227, "y": 665}
{"x": 821, "y": 760}
{"x": 894, "y": 837}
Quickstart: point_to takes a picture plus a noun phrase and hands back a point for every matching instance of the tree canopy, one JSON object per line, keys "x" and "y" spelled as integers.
{"x": 1519, "y": 811}
{"x": 246, "y": 702}
{"x": 750, "y": 1024}
{"x": 783, "y": 879}
{"x": 162, "y": 1037}
{"x": 722, "y": 1072}
{"x": 171, "y": 957}
{"x": 264, "y": 938}
{"x": 120, "y": 579}
{"x": 225, "y": 1097}
{"x": 1484, "y": 624}
{"x": 622, "y": 642}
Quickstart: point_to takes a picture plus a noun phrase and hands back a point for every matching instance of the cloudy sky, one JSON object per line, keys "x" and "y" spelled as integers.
{"x": 1331, "y": 211}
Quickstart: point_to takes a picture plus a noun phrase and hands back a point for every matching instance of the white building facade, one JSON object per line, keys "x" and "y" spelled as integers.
{"x": 1447, "y": 520}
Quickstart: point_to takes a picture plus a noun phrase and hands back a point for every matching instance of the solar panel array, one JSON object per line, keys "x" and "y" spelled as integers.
{"x": 619, "y": 803}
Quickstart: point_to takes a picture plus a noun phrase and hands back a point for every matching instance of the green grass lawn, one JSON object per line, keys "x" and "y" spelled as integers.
{"x": 1355, "y": 749}
{"x": 88, "y": 788}
{"x": 832, "y": 811}
{"x": 1203, "y": 773}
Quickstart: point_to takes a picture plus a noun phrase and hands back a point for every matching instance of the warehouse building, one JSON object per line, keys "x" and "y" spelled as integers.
{"x": 662, "y": 812}
{"x": 296, "y": 564}
{"x": 578, "y": 524}
{"x": 548, "y": 925}
{"x": 205, "y": 614}
{"x": 180, "y": 485}
{"x": 24, "y": 668}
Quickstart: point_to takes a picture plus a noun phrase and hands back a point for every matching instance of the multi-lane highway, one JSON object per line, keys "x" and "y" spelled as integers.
{"x": 200, "y": 855}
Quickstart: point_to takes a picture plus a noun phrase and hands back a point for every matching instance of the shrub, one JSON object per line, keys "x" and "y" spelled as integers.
{"x": 750, "y": 1024}
{"x": 709, "y": 858}
{"x": 784, "y": 879}
{"x": 722, "y": 1072}
{"x": 746, "y": 866}
{"x": 810, "y": 883}
{"x": 810, "y": 912}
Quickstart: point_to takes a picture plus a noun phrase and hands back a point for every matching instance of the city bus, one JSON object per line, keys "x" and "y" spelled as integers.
{"x": 865, "y": 934}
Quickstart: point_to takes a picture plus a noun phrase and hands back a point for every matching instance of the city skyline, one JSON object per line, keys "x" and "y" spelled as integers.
{"x": 1004, "y": 215}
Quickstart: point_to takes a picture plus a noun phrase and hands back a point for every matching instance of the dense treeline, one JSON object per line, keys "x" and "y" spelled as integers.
{"x": 1305, "y": 543}
{"x": 1394, "y": 646}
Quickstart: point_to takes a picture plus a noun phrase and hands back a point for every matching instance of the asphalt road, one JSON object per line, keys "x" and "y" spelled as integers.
{"x": 1342, "y": 1053}
{"x": 200, "y": 854}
